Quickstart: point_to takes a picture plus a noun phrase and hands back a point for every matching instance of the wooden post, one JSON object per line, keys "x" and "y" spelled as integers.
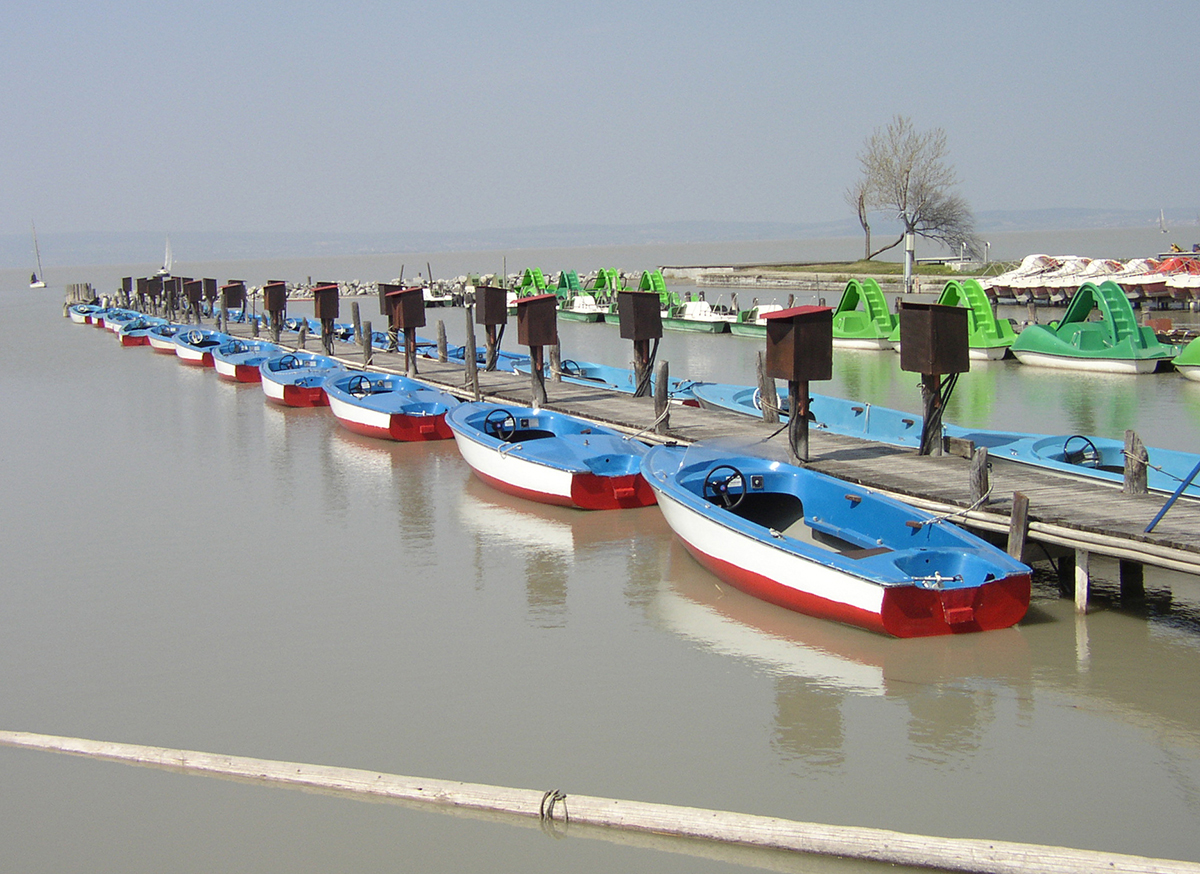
{"x": 410, "y": 352}
{"x": 798, "y": 420}
{"x": 931, "y": 427}
{"x": 662, "y": 414}
{"x": 1136, "y": 464}
{"x": 254, "y": 325}
{"x": 556, "y": 362}
{"x": 768, "y": 398}
{"x": 327, "y": 335}
{"x": 537, "y": 374}
{"x": 471, "y": 365}
{"x": 641, "y": 368}
{"x": 492, "y": 344}
{"x": 1018, "y": 526}
{"x": 303, "y": 337}
{"x": 1133, "y": 584}
{"x": 356, "y": 321}
{"x": 979, "y": 475}
{"x": 224, "y": 326}
{"x": 441, "y": 341}
{"x": 1083, "y": 579}
{"x": 368, "y": 346}
{"x": 1032, "y": 311}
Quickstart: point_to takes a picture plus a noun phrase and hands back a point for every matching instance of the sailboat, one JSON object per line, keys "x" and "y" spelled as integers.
{"x": 168, "y": 261}
{"x": 37, "y": 280}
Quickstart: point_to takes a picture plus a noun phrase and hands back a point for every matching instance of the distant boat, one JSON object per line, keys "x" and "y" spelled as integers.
{"x": 168, "y": 261}
{"x": 37, "y": 280}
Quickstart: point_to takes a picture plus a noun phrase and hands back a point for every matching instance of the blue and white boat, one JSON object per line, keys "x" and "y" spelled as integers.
{"x": 162, "y": 337}
{"x": 239, "y": 360}
{"x": 116, "y": 318}
{"x": 297, "y": 379}
{"x": 826, "y": 548}
{"x": 551, "y": 457}
{"x": 83, "y": 313}
{"x": 137, "y": 332}
{"x": 615, "y": 379}
{"x": 835, "y": 415}
{"x": 195, "y": 345}
{"x": 389, "y": 407}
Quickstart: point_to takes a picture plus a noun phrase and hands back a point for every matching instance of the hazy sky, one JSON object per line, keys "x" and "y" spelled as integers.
{"x": 354, "y": 116}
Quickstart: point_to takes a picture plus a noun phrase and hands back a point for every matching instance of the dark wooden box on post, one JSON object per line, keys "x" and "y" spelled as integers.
{"x": 641, "y": 317}
{"x": 406, "y": 308}
{"x": 325, "y": 301}
{"x": 491, "y": 305}
{"x": 143, "y": 287}
{"x": 127, "y": 285}
{"x": 537, "y": 320}
{"x": 193, "y": 290}
{"x": 800, "y": 344}
{"x": 154, "y": 286}
{"x": 933, "y": 339}
{"x": 275, "y": 297}
{"x": 210, "y": 290}
{"x": 233, "y": 294}
{"x": 386, "y": 288}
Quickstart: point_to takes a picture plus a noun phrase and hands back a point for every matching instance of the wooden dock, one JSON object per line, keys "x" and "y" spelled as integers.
{"x": 1070, "y": 519}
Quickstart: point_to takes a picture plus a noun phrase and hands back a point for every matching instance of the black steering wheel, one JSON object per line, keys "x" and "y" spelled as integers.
{"x": 721, "y": 489}
{"x": 502, "y": 423}
{"x": 289, "y": 362}
{"x": 1086, "y": 456}
{"x": 569, "y": 367}
{"x": 359, "y": 386}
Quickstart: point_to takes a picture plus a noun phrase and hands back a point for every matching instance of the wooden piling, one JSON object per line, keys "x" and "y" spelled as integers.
{"x": 368, "y": 347}
{"x": 1018, "y": 526}
{"x": 303, "y": 333}
{"x": 979, "y": 475}
{"x": 442, "y": 354}
{"x": 768, "y": 398}
{"x": 356, "y": 321}
{"x": 1083, "y": 579}
{"x": 1137, "y": 462}
{"x": 607, "y": 818}
{"x": 472, "y": 366}
{"x": 556, "y": 362}
{"x": 662, "y": 400}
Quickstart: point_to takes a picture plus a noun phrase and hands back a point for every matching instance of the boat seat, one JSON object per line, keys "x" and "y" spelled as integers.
{"x": 771, "y": 509}
{"x": 866, "y": 553}
{"x": 527, "y": 434}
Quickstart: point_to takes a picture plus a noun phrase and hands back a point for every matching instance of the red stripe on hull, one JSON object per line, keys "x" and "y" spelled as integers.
{"x": 405, "y": 429}
{"x": 242, "y": 373}
{"x": 907, "y": 611}
{"x": 304, "y": 396}
{"x": 528, "y": 494}
{"x": 127, "y": 340}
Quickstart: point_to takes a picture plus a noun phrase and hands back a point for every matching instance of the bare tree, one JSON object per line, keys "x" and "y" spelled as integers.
{"x": 857, "y": 198}
{"x": 907, "y": 171}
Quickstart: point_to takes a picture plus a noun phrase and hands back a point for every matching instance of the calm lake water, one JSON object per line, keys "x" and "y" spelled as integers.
{"x": 186, "y": 566}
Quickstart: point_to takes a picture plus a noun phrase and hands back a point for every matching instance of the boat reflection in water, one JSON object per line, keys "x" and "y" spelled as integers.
{"x": 949, "y": 684}
{"x": 544, "y": 541}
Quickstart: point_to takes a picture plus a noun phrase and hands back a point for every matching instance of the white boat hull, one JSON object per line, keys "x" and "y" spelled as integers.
{"x": 1095, "y": 365}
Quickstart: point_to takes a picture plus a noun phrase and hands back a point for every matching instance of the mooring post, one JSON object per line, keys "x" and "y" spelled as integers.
{"x": 979, "y": 475}
{"x": 492, "y": 347}
{"x": 768, "y": 398}
{"x": 303, "y": 333}
{"x": 327, "y": 330}
{"x": 556, "y": 363}
{"x": 1018, "y": 525}
{"x": 537, "y": 372}
{"x": 1136, "y": 464}
{"x": 443, "y": 356}
{"x": 641, "y": 368}
{"x": 798, "y": 420}
{"x": 356, "y": 321}
{"x": 1083, "y": 579}
{"x": 662, "y": 400}
{"x": 471, "y": 365}
{"x": 368, "y": 347}
{"x": 931, "y": 433}
{"x": 410, "y": 352}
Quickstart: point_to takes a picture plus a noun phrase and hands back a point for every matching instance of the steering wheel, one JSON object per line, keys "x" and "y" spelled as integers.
{"x": 289, "y": 362}
{"x": 721, "y": 489}
{"x": 359, "y": 386}
{"x": 194, "y": 337}
{"x": 1086, "y": 456}
{"x": 569, "y": 367}
{"x": 502, "y": 423}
